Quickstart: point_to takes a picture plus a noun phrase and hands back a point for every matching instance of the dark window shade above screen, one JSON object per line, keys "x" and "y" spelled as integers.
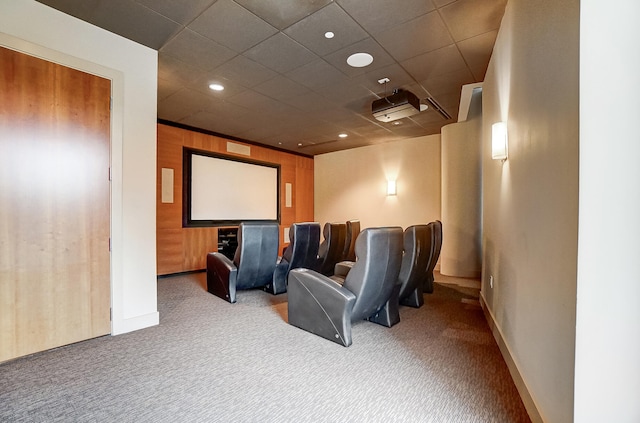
{"x": 221, "y": 190}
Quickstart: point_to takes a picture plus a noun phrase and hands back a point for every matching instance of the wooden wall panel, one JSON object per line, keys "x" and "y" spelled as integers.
{"x": 185, "y": 249}
{"x": 170, "y": 248}
{"x": 303, "y": 193}
{"x": 197, "y": 242}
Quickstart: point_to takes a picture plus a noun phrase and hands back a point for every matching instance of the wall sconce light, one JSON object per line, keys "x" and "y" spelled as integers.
{"x": 499, "y": 141}
{"x": 391, "y": 187}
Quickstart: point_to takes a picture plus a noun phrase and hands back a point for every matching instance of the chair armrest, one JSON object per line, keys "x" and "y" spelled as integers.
{"x": 320, "y": 305}
{"x": 342, "y": 268}
{"x": 221, "y": 276}
{"x": 278, "y": 284}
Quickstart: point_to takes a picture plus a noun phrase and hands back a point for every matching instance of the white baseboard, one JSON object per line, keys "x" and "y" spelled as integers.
{"x": 118, "y": 327}
{"x": 523, "y": 390}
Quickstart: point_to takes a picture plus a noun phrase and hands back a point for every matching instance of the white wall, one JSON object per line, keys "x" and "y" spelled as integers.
{"x": 461, "y": 142}
{"x": 530, "y": 202}
{"x": 607, "y": 369}
{"x": 38, "y": 30}
{"x": 352, "y": 184}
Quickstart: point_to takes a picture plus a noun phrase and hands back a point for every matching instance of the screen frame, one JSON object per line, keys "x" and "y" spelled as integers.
{"x": 187, "y": 221}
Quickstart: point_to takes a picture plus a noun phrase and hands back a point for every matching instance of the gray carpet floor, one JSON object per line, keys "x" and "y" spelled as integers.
{"x": 211, "y": 361}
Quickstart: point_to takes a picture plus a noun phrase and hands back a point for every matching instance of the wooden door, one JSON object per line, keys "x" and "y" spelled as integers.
{"x": 54, "y": 205}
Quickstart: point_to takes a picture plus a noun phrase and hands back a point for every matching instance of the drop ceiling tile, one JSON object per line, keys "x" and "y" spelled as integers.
{"x": 428, "y": 118}
{"x": 468, "y": 18}
{"x": 397, "y": 76}
{"x": 319, "y": 94}
{"x": 380, "y": 57}
{"x": 415, "y": 37}
{"x": 281, "y": 88}
{"x": 373, "y": 130}
{"x": 338, "y": 116}
{"x": 344, "y": 94}
{"x": 181, "y": 104}
{"x": 122, "y": 17}
{"x": 316, "y": 74}
{"x": 196, "y": 50}
{"x": 310, "y": 31}
{"x": 282, "y": 13}
{"x": 245, "y": 71}
{"x": 441, "y": 3}
{"x": 408, "y": 130}
{"x": 310, "y": 103}
{"x": 378, "y": 15}
{"x": 201, "y": 84}
{"x": 167, "y": 87}
{"x": 330, "y": 147}
{"x": 213, "y": 122}
{"x": 317, "y": 132}
{"x": 181, "y": 11}
{"x": 85, "y": 10}
{"x": 256, "y": 101}
{"x": 172, "y": 69}
{"x": 173, "y": 112}
{"x": 194, "y": 99}
{"x": 449, "y": 102}
{"x": 280, "y": 53}
{"x": 262, "y": 132}
{"x": 448, "y": 82}
{"x": 434, "y": 63}
{"x": 221, "y": 22}
{"x": 476, "y": 51}
{"x": 227, "y": 110}
{"x": 361, "y": 106}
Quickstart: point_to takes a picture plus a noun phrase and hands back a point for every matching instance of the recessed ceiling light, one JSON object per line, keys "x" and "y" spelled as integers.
{"x": 360, "y": 60}
{"x": 343, "y": 135}
{"x": 216, "y": 87}
{"x": 397, "y": 122}
{"x": 299, "y": 144}
{"x": 329, "y": 34}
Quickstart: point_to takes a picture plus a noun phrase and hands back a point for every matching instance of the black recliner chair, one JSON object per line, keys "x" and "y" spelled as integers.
{"x": 331, "y": 248}
{"x": 253, "y": 263}
{"x": 322, "y": 306}
{"x": 302, "y": 251}
{"x": 435, "y": 254}
{"x": 417, "y": 251}
{"x": 353, "y": 229}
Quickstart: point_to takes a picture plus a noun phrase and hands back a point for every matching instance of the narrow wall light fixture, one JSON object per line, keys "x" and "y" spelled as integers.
{"x": 391, "y": 187}
{"x": 499, "y": 141}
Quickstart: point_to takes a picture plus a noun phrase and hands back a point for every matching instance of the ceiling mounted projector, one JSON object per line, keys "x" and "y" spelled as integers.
{"x": 398, "y": 105}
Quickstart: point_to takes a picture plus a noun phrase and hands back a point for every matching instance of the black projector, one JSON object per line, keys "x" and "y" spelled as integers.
{"x": 398, "y": 105}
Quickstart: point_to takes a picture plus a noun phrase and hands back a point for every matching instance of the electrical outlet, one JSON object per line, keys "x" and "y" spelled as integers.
{"x": 491, "y": 281}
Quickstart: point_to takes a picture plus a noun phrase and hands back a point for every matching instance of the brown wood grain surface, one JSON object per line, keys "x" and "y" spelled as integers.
{"x": 55, "y": 210}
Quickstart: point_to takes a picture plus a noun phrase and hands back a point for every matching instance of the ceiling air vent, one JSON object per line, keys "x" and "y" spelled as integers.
{"x": 438, "y": 108}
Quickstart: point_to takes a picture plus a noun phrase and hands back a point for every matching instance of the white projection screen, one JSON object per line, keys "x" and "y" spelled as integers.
{"x": 226, "y": 191}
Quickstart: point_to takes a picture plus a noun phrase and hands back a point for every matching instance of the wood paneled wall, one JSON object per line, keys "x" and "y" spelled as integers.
{"x": 184, "y": 249}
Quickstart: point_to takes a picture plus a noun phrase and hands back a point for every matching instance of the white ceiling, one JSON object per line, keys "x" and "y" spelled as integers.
{"x": 285, "y": 83}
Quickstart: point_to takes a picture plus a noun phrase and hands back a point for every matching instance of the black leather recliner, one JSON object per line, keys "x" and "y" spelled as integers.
{"x": 435, "y": 254}
{"x": 322, "y": 306}
{"x": 415, "y": 258}
{"x": 353, "y": 229}
{"x": 253, "y": 263}
{"x": 302, "y": 251}
{"x": 331, "y": 248}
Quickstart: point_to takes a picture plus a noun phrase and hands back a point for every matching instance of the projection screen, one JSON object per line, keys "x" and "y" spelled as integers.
{"x": 223, "y": 190}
